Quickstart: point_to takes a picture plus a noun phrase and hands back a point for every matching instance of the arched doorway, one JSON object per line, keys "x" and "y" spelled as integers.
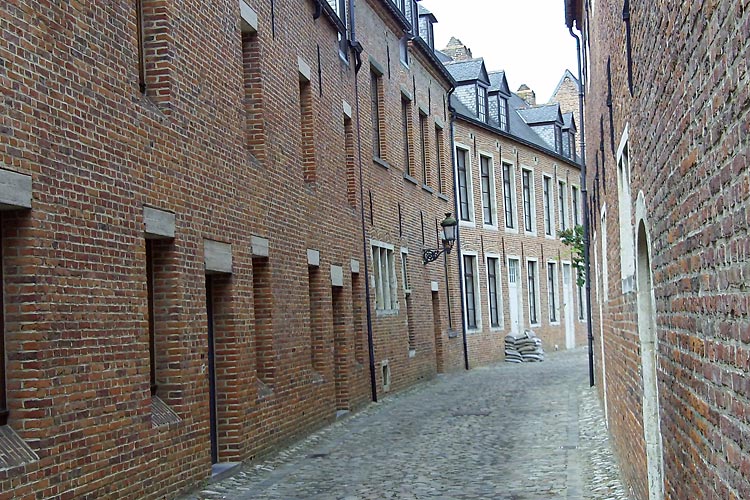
{"x": 648, "y": 341}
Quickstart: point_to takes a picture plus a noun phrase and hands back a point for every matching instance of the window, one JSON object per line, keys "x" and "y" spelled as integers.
{"x": 494, "y": 289}
{"x": 576, "y": 208}
{"x": 547, "y": 188}
{"x": 424, "y": 138}
{"x": 558, "y": 139}
{"x": 405, "y": 132}
{"x": 481, "y": 103}
{"x": 339, "y": 6}
{"x": 307, "y": 127}
{"x": 403, "y": 49}
{"x": 471, "y": 291}
{"x": 531, "y": 274}
{"x": 552, "y": 291}
{"x": 502, "y": 112}
{"x": 562, "y": 205}
{"x": 509, "y": 196}
{"x": 528, "y": 200}
{"x": 572, "y": 145}
{"x": 405, "y": 271}
{"x": 385, "y": 277}
{"x": 464, "y": 184}
{"x": 377, "y": 150}
{"x": 439, "y": 157}
{"x": 489, "y": 210}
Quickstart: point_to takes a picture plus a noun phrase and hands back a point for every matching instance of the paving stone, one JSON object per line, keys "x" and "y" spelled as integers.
{"x": 509, "y": 431}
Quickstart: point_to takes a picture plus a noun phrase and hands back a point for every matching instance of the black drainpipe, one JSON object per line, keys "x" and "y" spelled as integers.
{"x": 586, "y": 222}
{"x": 452, "y": 113}
{"x": 357, "y": 52}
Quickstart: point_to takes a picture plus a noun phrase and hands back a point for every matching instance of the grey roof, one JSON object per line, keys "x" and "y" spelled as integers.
{"x": 471, "y": 69}
{"x": 569, "y": 121}
{"x": 443, "y": 56}
{"x": 542, "y": 114}
{"x": 425, "y": 12}
{"x": 498, "y": 83}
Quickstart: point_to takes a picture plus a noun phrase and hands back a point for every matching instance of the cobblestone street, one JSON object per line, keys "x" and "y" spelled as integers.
{"x": 509, "y": 431}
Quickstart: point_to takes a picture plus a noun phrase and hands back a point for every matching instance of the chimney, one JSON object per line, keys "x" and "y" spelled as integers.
{"x": 457, "y": 51}
{"x": 528, "y": 95}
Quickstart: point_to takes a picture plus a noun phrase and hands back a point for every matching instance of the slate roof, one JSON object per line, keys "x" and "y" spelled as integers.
{"x": 498, "y": 83}
{"x": 443, "y": 57}
{"x": 569, "y": 121}
{"x": 542, "y": 114}
{"x": 471, "y": 69}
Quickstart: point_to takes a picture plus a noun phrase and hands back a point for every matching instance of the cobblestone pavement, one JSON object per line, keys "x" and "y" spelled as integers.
{"x": 510, "y": 431}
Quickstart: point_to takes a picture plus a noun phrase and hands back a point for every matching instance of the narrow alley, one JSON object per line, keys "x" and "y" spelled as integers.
{"x": 507, "y": 431}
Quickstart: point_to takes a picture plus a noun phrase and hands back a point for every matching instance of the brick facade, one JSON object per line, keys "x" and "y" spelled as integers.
{"x": 249, "y": 136}
{"x": 669, "y": 240}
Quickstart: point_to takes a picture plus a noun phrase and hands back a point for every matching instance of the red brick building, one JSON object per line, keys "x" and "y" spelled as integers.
{"x": 199, "y": 202}
{"x": 518, "y": 184}
{"x": 666, "y": 155}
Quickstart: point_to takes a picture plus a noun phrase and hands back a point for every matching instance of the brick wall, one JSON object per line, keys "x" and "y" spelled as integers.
{"x": 289, "y": 351}
{"x": 685, "y": 120}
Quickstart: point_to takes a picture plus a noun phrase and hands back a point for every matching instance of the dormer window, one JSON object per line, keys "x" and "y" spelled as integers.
{"x": 572, "y": 145}
{"x": 502, "y": 112}
{"x": 558, "y": 139}
{"x": 482, "y": 103}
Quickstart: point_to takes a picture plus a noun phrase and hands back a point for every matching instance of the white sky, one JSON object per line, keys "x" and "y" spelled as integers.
{"x": 526, "y": 38}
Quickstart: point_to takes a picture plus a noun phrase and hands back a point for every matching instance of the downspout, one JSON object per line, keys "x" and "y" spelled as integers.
{"x": 586, "y": 222}
{"x": 458, "y": 232}
{"x": 357, "y": 53}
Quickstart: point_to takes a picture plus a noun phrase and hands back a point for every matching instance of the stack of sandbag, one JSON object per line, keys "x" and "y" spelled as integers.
{"x": 523, "y": 348}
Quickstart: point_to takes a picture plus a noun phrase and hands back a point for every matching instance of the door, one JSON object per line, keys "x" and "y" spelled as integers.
{"x": 570, "y": 332}
{"x": 212, "y": 373}
{"x": 514, "y": 297}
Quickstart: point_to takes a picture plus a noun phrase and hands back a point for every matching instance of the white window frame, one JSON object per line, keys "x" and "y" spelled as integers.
{"x": 562, "y": 194}
{"x": 469, "y": 186}
{"x": 548, "y": 206}
{"x": 532, "y": 200}
{"x": 625, "y": 214}
{"x": 405, "y": 283}
{"x": 605, "y": 266}
{"x": 514, "y": 201}
{"x": 475, "y": 289}
{"x": 537, "y": 300}
{"x": 493, "y": 197}
{"x": 554, "y": 293}
{"x": 498, "y": 291}
{"x": 386, "y": 285}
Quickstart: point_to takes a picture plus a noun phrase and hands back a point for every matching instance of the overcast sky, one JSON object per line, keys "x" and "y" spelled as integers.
{"x": 526, "y": 38}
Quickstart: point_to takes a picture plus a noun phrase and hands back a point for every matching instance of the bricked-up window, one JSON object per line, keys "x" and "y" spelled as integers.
{"x": 471, "y": 291}
{"x": 581, "y": 302}
{"x": 575, "y": 207}
{"x": 307, "y": 127}
{"x": 502, "y": 113}
{"x": 605, "y": 264}
{"x": 562, "y": 205}
{"x": 547, "y": 194}
{"x": 439, "y": 158}
{"x": 375, "y": 98}
{"x": 482, "y": 103}
{"x": 3, "y": 374}
{"x": 627, "y": 242}
{"x": 358, "y": 299}
{"x": 384, "y": 269}
{"x": 533, "y": 289}
{"x": 151, "y": 320}
{"x": 552, "y": 291}
{"x": 155, "y": 49}
{"x": 527, "y": 182}
{"x": 263, "y": 324}
{"x": 464, "y": 187}
{"x": 494, "y": 287}
{"x": 255, "y": 138}
{"x": 509, "y": 196}
{"x": 351, "y": 177}
{"x": 411, "y": 326}
{"x": 406, "y": 133}
{"x": 489, "y": 208}
{"x": 424, "y": 144}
